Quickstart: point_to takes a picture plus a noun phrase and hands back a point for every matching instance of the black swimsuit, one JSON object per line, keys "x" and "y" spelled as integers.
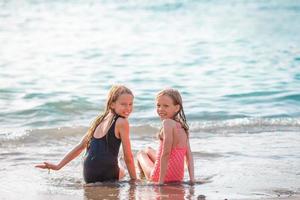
{"x": 101, "y": 158}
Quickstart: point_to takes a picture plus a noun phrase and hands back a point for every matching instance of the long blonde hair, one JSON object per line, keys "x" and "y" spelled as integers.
{"x": 114, "y": 93}
{"x": 177, "y": 100}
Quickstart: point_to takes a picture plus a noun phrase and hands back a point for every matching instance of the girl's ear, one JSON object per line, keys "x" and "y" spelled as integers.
{"x": 177, "y": 108}
{"x": 112, "y": 106}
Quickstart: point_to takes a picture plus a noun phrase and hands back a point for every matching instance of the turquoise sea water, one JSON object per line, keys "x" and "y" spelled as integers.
{"x": 236, "y": 64}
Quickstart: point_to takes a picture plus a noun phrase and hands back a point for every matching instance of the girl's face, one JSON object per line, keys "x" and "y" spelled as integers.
{"x": 165, "y": 107}
{"x": 123, "y": 105}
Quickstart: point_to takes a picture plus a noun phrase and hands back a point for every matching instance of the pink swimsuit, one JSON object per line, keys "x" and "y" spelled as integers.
{"x": 175, "y": 169}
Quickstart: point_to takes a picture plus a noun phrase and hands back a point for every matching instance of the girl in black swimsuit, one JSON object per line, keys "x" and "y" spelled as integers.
{"x": 102, "y": 154}
{"x": 102, "y": 141}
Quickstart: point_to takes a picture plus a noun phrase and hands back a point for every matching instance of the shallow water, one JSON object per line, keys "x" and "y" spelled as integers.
{"x": 236, "y": 64}
{"x": 232, "y": 165}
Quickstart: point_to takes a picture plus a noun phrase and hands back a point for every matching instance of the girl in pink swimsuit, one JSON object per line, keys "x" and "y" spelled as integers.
{"x": 167, "y": 164}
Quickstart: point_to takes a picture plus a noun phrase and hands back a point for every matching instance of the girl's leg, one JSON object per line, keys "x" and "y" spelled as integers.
{"x": 122, "y": 172}
{"x": 145, "y": 162}
{"x": 151, "y": 153}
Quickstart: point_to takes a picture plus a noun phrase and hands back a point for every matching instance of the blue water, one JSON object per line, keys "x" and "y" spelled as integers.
{"x": 235, "y": 62}
{"x": 238, "y": 59}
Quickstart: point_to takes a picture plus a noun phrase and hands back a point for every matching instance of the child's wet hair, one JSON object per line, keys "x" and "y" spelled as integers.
{"x": 177, "y": 100}
{"x": 114, "y": 93}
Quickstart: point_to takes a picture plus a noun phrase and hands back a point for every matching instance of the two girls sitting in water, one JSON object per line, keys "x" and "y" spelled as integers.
{"x": 110, "y": 129}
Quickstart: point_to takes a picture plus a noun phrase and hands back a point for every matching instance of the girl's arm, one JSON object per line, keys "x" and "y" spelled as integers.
{"x": 123, "y": 128}
{"x": 167, "y": 146}
{"x": 190, "y": 162}
{"x": 67, "y": 158}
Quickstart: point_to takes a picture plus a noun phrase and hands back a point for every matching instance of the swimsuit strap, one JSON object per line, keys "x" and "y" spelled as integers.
{"x": 111, "y": 128}
{"x": 111, "y": 140}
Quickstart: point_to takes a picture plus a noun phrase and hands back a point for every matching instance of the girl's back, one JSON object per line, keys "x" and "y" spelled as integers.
{"x": 102, "y": 155}
{"x": 175, "y": 169}
{"x": 179, "y": 136}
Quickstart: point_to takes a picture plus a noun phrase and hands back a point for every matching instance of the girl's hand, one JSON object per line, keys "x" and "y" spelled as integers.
{"x": 47, "y": 165}
{"x": 135, "y": 181}
{"x": 158, "y": 183}
{"x": 192, "y": 182}
{"x": 199, "y": 181}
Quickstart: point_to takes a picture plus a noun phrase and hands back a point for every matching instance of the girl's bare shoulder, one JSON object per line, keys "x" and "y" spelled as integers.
{"x": 169, "y": 123}
{"x": 122, "y": 122}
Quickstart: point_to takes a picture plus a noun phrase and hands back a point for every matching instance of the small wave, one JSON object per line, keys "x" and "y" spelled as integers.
{"x": 36, "y": 135}
{"x": 166, "y": 7}
{"x": 155, "y": 6}
{"x": 143, "y": 131}
{"x": 290, "y": 97}
{"x": 264, "y": 96}
{"x": 67, "y": 106}
{"x": 247, "y": 125}
{"x": 294, "y": 8}
{"x": 252, "y": 94}
{"x": 207, "y": 155}
{"x": 75, "y": 105}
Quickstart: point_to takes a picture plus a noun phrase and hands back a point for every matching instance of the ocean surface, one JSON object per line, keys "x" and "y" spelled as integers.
{"x": 235, "y": 62}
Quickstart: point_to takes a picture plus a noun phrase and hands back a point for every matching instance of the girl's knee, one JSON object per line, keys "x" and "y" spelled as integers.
{"x": 148, "y": 149}
{"x": 140, "y": 153}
